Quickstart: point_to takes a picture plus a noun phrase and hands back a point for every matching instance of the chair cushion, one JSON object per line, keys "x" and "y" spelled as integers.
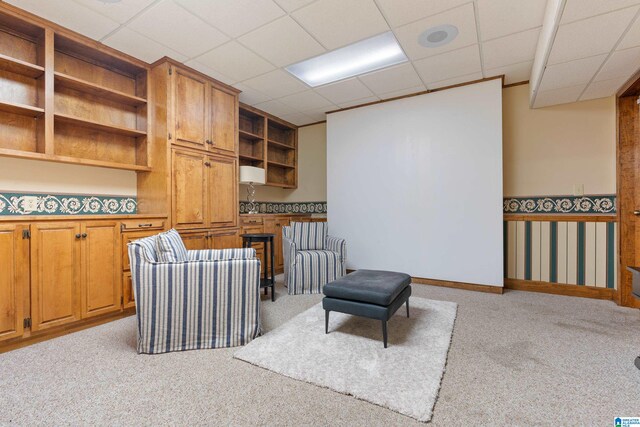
{"x": 309, "y": 236}
{"x": 170, "y": 247}
{"x": 371, "y": 286}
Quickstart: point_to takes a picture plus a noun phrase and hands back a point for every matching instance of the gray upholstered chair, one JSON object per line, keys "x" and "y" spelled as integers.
{"x": 311, "y": 257}
{"x": 193, "y": 299}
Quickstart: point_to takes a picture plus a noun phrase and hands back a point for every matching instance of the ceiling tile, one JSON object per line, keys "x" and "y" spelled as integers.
{"x": 77, "y": 17}
{"x": 251, "y": 96}
{"x": 357, "y": 102}
{"x": 403, "y": 92}
{"x": 139, "y": 46}
{"x": 298, "y": 119}
{"x": 456, "y": 80}
{"x": 344, "y": 91}
{"x": 632, "y": 38}
{"x": 291, "y": 5}
{"x": 317, "y": 117}
{"x": 391, "y": 79}
{"x": 462, "y": 17}
{"x": 501, "y": 17}
{"x": 236, "y": 61}
{"x": 590, "y": 37}
{"x": 336, "y": 23}
{"x": 580, "y": 9}
{"x": 602, "y": 88}
{"x": 514, "y": 73}
{"x": 405, "y": 11}
{"x": 305, "y": 101}
{"x": 449, "y": 65}
{"x": 571, "y": 73}
{"x": 621, "y": 63}
{"x": 236, "y": 17}
{"x": 558, "y": 96}
{"x": 276, "y": 108}
{"x": 120, "y": 12}
{"x": 189, "y": 35}
{"x": 282, "y": 42}
{"x": 513, "y": 49}
{"x": 210, "y": 72}
{"x": 276, "y": 84}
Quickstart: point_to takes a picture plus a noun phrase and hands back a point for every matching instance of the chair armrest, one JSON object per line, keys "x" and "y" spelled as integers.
{"x": 336, "y": 244}
{"x": 221, "y": 254}
{"x": 288, "y": 251}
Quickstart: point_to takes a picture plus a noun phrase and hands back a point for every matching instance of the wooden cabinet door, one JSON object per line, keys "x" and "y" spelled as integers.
{"x": 195, "y": 241}
{"x": 226, "y": 239}
{"x": 223, "y": 118}
{"x": 189, "y": 196}
{"x": 129, "y": 237}
{"x": 190, "y": 110}
{"x": 274, "y": 225}
{"x": 127, "y": 291}
{"x": 101, "y": 268}
{"x": 55, "y": 274}
{"x": 14, "y": 279}
{"x": 223, "y": 191}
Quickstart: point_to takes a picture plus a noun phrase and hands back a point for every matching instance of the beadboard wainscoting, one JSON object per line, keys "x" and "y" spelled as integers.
{"x": 566, "y": 245}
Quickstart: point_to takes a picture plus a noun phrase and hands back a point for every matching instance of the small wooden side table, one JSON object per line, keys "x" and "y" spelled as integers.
{"x": 267, "y": 239}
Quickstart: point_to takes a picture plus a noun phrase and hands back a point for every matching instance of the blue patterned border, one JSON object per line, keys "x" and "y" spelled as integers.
{"x": 288, "y": 207}
{"x": 64, "y": 204}
{"x": 602, "y": 204}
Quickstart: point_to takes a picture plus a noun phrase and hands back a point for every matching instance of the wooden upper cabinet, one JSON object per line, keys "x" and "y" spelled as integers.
{"x": 189, "y": 193}
{"x": 14, "y": 279}
{"x": 101, "y": 268}
{"x": 190, "y": 109}
{"x": 222, "y": 191}
{"x": 55, "y": 274}
{"x": 223, "y": 118}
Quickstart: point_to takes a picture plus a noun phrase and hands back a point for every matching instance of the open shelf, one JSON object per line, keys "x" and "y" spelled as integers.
{"x": 119, "y": 130}
{"x": 23, "y": 110}
{"x": 249, "y": 135}
{"x": 18, "y": 66}
{"x": 19, "y": 154}
{"x": 280, "y": 165}
{"x": 280, "y": 145}
{"x": 71, "y": 82}
{"x": 254, "y": 158}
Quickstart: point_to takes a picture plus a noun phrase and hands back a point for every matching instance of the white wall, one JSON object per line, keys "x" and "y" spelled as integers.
{"x": 20, "y": 175}
{"x": 415, "y": 185}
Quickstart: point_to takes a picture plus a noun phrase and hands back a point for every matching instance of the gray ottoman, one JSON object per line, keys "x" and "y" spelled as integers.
{"x": 368, "y": 293}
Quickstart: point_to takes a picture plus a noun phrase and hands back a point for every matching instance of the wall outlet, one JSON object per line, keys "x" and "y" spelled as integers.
{"x": 578, "y": 189}
{"x": 29, "y": 203}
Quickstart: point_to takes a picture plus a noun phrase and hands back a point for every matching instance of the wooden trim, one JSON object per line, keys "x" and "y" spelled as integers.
{"x": 459, "y": 285}
{"x": 216, "y": 83}
{"x": 269, "y": 116}
{"x": 312, "y": 124}
{"x": 48, "y": 334}
{"x": 560, "y": 217}
{"x": 524, "y": 82}
{"x": 424, "y": 92}
{"x": 49, "y": 218}
{"x": 631, "y": 87}
{"x": 560, "y": 289}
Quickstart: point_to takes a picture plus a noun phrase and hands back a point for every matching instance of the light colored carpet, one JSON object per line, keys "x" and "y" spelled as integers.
{"x": 351, "y": 359}
{"x": 516, "y": 359}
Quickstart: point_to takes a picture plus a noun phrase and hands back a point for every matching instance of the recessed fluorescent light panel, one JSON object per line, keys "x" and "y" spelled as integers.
{"x": 358, "y": 58}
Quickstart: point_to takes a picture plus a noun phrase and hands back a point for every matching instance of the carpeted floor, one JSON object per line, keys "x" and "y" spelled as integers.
{"x": 515, "y": 359}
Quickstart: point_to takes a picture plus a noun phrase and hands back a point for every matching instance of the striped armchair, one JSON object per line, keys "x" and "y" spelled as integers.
{"x": 311, "y": 257}
{"x": 208, "y": 300}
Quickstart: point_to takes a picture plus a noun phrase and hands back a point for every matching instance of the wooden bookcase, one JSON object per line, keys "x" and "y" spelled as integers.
{"x": 65, "y": 98}
{"x": 270, "y": 143}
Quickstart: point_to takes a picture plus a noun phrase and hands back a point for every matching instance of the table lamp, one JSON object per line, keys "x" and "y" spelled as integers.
{"x": 252, "y": 176}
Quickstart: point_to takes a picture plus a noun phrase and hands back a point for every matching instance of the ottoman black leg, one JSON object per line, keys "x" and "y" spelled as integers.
{"x": 384, "y": 332}
{"x": 407, "y": 307}
{"x": 326, "y": 321}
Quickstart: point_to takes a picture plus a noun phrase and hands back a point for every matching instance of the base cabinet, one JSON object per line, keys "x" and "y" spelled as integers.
{"x": 211, "y": 239}
{"x": 14, "y": 279}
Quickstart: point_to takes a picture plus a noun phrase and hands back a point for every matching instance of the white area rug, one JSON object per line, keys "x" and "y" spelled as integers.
{"x": 351, "y": 359}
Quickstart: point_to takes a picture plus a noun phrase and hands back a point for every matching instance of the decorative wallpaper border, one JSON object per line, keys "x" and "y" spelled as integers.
{"x": 599, "y": 204}
{"x": 65, "y": 204}
{"x": 286, "y": 207}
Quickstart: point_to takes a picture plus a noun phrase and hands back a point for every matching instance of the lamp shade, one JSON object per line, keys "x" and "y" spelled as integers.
{"x": 251, "y": 175}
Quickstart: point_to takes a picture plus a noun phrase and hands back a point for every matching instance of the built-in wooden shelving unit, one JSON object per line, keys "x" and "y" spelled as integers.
{"x": 64, "y": 98}
{"x": 270, "y": 143}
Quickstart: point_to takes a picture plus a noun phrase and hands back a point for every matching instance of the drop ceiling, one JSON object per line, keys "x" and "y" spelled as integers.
{"x": 247, "y": 43}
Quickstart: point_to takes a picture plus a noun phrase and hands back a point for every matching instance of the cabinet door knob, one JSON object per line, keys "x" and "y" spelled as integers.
{"x": 209, "y": 142}
{"x": 77, "y": 236}
{"x": 84, "y": 235}
{"x": 207, "y": 164}
{"x": 636, "y": 213}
